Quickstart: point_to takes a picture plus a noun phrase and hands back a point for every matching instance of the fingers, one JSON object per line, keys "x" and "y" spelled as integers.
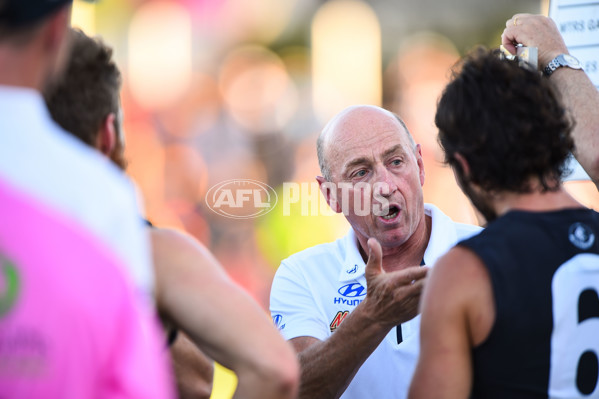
{"x": 410, "y": 275}
{"x": 374, "y": 266}
{"x": 407, "y": 301}
{"x": 533, "y": 31}
{"x": 516, "y": 20}
{"x": 508, "y": 41}
{"x": 512, "y": 32}
{"x": 392, "y": 297}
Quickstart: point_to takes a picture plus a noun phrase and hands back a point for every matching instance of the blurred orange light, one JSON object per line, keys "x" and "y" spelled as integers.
{"x": 346, "y": 57}
{"x": 159, "y": 53}
{"x": 84, "y": 17}
{"x": 257, "y": 90}
{"x": 260, "y": 20}
{"x": 545, "y": 7}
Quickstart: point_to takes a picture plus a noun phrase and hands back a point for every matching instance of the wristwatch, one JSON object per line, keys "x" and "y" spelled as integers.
{"x": 562, "y": 60}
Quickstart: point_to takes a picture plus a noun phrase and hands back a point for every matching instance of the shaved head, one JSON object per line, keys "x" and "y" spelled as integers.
{"x": 336, "y": 125}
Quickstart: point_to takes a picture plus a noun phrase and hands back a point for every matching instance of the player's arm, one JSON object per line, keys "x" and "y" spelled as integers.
{"x": 578, "y": 94}
{"x": 137, "y": 364}
{"x": 194, "y": 371}
{"x": 327, "y": 367}
{"x": 457, "y": 314}
{"x": 221, "y": 318}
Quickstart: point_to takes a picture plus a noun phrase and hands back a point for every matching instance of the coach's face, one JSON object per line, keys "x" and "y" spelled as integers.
{"x": 369, "y": 151}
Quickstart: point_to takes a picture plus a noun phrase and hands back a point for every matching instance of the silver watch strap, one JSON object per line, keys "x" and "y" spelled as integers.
{"x": 551, "y": 67}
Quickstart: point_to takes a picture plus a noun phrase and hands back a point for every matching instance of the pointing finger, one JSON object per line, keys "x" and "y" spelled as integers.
{"x": 411, "y": 274}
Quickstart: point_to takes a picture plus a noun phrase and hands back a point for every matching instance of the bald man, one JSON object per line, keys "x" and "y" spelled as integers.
{"x": 349, "y": 308}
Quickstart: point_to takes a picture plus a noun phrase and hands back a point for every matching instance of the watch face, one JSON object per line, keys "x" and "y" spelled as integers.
{"x": 571, "y": 61}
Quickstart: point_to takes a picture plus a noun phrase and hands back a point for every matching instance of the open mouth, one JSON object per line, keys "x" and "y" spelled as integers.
{"x": 392, "y": 212}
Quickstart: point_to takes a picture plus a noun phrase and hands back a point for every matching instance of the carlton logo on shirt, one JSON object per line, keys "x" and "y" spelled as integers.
{"x": 581, "y": 236}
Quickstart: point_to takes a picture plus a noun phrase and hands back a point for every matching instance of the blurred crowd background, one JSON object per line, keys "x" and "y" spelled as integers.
{"x": 239, "y": 89}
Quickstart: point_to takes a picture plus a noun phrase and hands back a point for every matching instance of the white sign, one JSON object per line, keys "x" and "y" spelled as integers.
{"x": 578, "y": 22}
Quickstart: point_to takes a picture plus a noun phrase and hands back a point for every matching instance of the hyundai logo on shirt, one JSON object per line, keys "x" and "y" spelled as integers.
{"x": 352, "y": 290}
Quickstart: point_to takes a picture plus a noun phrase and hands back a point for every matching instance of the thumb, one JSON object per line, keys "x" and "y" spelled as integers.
{"x": 374, "y": 266}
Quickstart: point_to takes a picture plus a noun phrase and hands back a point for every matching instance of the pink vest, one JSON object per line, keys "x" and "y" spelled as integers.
{"x": 71, "y": 325}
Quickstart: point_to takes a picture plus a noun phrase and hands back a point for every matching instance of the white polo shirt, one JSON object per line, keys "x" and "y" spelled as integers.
{"x": 41, "y": 160}
{"x": 315, "y": 289}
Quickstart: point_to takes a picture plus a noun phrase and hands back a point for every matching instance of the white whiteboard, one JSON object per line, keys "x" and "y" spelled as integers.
{"x": 578, "y": 22}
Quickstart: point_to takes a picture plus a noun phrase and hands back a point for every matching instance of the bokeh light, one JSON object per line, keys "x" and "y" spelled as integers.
{"x": 346, "y": 57}
{"x": 257, "y": 90}
{"x": 84, "y": 17}
{"x": 159, "y": 69}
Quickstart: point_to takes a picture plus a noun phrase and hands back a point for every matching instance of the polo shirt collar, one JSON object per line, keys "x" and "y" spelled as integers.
{"x": 353, "y": 266}
{"x": 17, "y": 103}
{"x": 442, "y": 233}
{"x": 21, "y": 97}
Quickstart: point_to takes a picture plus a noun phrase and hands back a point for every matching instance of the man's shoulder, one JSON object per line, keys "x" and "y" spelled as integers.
{"x": 445, "y": 233}
{"x": 443, "y": 222}
{"x": 465, "y": 230}
{"x": 46, "y": 148}
{"x": 41, "y": 160}
{"x": 92, "y": 163}
{"x": 65, "y": 165}
{"x": 320, "y": 255}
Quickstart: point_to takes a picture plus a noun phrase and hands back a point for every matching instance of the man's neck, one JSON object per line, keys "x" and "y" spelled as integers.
{"x": 410, "y": 253}
{"x": 21, "y": 68}
{"x": 537, "y": 201}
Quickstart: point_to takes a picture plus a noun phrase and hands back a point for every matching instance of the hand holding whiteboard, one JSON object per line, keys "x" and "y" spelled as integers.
{"x": 578, "y": 92}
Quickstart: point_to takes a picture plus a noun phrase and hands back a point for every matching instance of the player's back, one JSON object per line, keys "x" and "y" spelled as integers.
{"x": 544, "y": 271}
{"x": 39, "y": 158}
{"x": 71, "y": 324}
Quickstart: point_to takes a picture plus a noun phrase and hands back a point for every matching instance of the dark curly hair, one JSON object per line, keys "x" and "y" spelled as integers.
{"x": 506, "y": 121}
{"x": 88, "y": 91}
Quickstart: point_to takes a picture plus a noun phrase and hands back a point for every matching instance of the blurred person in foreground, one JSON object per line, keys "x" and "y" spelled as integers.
{"x": 193, "y": 292}
{"x": 514, "y": 311}
{"x": 40, "y": 159}
{"x": 72, "y": 325}
{"x": 578, "y": 93}
{"x": 350, "y": 307}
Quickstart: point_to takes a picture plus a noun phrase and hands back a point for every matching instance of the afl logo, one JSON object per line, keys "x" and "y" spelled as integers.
{"x": 581, "y": 236}
{"x": 352, "y": 290}
{"x": 241, "y": 198}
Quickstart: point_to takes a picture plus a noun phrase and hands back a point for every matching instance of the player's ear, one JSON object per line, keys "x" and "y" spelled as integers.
{"x": 106, "y": 138}
{"x": 462, "y": 165}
